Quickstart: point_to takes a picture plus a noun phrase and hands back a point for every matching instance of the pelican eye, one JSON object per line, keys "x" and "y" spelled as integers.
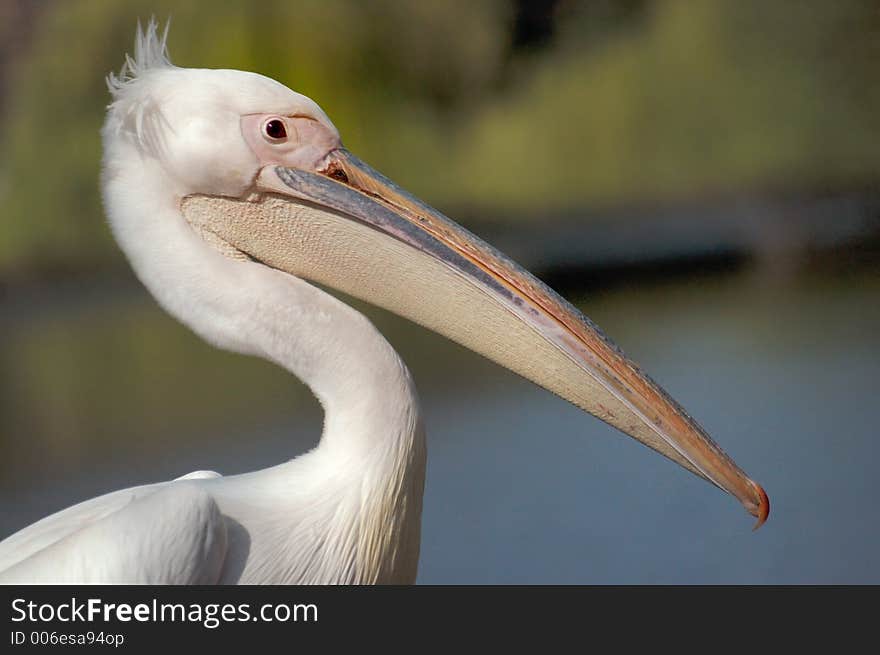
{"x": 275, "y": 130}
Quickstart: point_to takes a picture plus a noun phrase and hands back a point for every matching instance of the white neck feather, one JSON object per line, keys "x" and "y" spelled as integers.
{"x": 373, "y": 440}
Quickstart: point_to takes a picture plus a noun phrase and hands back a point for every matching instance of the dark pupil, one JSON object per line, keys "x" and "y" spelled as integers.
{"x": 275, "y": 129}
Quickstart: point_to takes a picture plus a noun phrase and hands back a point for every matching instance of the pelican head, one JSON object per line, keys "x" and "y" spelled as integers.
{"x": 255, "y": 173}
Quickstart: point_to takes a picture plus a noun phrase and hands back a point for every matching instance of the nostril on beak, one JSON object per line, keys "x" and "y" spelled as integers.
{"x": 335, "y": 171}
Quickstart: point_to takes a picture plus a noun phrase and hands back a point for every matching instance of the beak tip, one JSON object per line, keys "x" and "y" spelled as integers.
{"x": 762, "y": 510}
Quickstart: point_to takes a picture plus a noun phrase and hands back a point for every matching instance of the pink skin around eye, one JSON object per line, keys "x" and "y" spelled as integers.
{"x": 307, "y": 144}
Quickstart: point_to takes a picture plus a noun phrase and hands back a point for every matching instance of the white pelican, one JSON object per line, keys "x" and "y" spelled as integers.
{"x": 227, "y": 191}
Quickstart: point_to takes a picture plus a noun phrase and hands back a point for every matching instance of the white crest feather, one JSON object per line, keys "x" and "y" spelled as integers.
{"x": 150, "y": 53}
{"x": 136, "y": 112}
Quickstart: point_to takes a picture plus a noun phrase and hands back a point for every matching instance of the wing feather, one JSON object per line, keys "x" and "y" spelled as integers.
{"x": 171, "y": 533}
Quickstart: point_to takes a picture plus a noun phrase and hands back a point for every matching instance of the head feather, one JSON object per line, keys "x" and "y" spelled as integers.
{"x": 150, "y": 53}
{"x": 134, "y": 110}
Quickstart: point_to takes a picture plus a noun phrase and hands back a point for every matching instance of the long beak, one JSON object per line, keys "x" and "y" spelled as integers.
{"x": 348, "y": 227}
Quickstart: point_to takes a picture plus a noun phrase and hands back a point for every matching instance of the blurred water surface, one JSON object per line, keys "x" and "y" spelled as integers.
{"x": 106, "y": 391}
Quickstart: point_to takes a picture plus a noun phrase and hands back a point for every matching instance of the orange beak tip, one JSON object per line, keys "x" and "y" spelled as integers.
{"x": 763, "y": 509}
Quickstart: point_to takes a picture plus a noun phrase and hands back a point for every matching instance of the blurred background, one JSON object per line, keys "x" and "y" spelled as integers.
{"x": 702, "y": 178}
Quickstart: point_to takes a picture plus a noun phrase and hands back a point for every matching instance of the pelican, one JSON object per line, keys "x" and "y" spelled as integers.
{"x": 233, "y": 199}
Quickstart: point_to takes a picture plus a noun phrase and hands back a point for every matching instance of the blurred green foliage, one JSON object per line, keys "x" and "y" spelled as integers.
{"x": 677, "y": 99}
